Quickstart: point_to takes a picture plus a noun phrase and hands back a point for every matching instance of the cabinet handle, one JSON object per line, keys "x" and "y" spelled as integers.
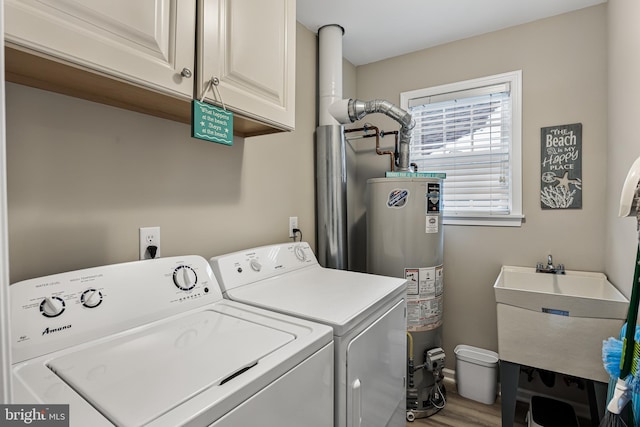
{"x": 186, "y": 73}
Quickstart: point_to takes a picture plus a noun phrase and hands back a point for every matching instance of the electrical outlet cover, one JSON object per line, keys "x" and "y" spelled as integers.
{"x": 149, "y": 236}
{"x": 293, "y": 223}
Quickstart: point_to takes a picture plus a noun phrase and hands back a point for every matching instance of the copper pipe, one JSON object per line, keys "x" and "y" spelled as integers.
{"x": 355, "y": 130}
{"x": 396, "y": 142}
{"x": 350, "y": 110}
{"x": 377, "y": 135}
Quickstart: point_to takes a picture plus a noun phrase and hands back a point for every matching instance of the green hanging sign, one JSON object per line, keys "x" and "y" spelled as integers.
{"x": 211, "y": 123}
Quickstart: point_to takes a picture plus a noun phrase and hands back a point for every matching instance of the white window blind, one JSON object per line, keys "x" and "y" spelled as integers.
{"x": 468, "y": 133}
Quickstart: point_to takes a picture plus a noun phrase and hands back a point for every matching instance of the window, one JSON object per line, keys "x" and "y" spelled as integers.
{"x": 471, "y": 130}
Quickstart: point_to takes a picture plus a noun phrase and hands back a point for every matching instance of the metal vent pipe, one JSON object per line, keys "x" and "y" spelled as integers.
{"x": 350, "y": 110}
{"x": 331, "y": 164}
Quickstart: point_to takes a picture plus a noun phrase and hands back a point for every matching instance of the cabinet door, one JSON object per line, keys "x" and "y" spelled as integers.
{"x": 145, "y": 42}
{"x": 249, "y": 46}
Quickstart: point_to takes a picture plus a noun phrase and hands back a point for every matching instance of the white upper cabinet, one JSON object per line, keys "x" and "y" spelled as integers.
{"x": 249, "y": 46}
{"x": 150, "y": 43}
{"x": 141, "y": 55}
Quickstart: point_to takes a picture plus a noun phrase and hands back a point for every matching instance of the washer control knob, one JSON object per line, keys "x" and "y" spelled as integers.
{"x": 255, "y": 265}
{"x": 91, "y": 298}
{"x": 185, "y": 278}
{"x": 300, "y": 253}
{"x": 52, "y": 306}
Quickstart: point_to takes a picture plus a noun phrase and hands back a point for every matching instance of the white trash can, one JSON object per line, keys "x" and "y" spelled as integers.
{"x": 477, "y": 373}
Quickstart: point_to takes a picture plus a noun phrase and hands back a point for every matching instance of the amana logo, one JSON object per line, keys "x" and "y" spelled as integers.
{"x": 52, "y": 330}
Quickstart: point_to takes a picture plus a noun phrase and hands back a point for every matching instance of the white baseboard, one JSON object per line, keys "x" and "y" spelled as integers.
{"x": 522, "y": 395}
{"x": 449, "y": 377}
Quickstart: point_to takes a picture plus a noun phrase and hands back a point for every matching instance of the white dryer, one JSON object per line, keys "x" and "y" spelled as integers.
{"x": 367, "y": 313}
{"x": 153, "y": 343}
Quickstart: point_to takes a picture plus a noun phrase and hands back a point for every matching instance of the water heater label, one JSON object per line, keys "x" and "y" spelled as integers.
{"x": 424, "y": 297}
{"x": 431, "y": 224}
{"x": 433, "y": 198}
{"x": 397, "y": 198}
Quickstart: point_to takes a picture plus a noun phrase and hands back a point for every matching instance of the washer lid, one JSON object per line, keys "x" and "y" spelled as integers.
{"x": 337, "y": 298}
{"x": 137, "y": 378}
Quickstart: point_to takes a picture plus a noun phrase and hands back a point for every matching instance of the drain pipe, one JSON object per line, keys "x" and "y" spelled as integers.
{"x": 331, "y": 164}
{"x": 350, "y": 110}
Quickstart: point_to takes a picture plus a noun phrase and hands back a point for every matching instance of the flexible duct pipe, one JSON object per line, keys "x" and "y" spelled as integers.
{"x": 331, "y": 164}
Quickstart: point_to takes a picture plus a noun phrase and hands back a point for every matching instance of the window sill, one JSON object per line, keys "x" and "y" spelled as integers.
{"x": 490, "y": 221}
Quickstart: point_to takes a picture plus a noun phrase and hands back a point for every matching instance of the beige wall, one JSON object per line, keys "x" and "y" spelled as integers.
{"x": 623, "y": 137}
{"x": 79, "y": 191}
{"x": 563, "y": 63}
{"x": 83, "y": 177}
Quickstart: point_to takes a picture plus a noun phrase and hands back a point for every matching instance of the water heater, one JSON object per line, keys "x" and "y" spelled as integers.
{"x": 405, "y": 239}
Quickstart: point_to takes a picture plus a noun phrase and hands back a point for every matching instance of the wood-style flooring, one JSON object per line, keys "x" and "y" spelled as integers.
{"x": 462, "y": 412}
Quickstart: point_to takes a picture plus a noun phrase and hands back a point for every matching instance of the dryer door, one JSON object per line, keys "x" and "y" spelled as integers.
{"x": 376, "y": 369}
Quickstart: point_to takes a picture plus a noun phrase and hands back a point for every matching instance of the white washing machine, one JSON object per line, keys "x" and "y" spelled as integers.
{"x": 367, "y": 313}
{"x": 152, "y": 343}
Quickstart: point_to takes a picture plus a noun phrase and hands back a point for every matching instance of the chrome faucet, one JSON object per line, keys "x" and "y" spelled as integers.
{"x": 549, "y": 268}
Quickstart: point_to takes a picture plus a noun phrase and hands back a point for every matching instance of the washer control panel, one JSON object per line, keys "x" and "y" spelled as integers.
{"x": 244, "y": 267}
{"x": 54, "y": 312}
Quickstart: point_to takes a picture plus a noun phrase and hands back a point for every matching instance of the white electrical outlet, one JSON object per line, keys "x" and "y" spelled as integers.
{"x": 293, "y": 223}
{"x": 149, "y": 236}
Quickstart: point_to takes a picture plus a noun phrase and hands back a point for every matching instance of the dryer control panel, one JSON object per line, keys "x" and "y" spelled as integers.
{"x": 242, "y": 268}
{"x": 53, "y": 312}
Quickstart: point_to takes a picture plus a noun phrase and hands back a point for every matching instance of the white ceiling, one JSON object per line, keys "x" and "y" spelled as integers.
{"x": 379, "y": 29}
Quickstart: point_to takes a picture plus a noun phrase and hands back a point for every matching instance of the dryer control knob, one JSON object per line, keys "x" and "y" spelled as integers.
{"x": 52, "y": 306}
{"x": 255, "y": 265}
{"x": 185, "y": 278}
{"x": 91, "y": 298}
{"x": 300, "y": 253}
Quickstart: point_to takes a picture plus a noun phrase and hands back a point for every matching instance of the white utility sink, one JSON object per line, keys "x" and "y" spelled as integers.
{"x": 575, "y": 293}
{"x": 557, "y": 322}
